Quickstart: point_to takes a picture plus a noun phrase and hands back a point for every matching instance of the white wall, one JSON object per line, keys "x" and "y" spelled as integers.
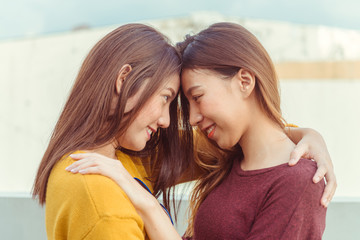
{"x": 36, "y": 75}
{"x": 332, "y": 108}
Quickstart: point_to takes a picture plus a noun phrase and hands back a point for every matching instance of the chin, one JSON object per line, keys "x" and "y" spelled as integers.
{"x": 222, "y": 145}
{"x": 226, "y": 145}
{"x": 136, "y": 148}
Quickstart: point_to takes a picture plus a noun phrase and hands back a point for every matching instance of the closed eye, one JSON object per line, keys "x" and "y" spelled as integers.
{"x": 196, "y": 97}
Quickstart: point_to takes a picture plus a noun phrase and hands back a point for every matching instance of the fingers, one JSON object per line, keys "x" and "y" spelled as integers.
{"x": 83, "y": 160}
{"x": 320, "y": 174}
{"x": 78, "y": 156}
{"x": 94, "y": 163}
{"x": 90, "y": 170}
{"x": 326, "y": 170}
{"x": 299, "y": 151}
{"x": 330, "y": 189}
{"x": 81, "y": 164}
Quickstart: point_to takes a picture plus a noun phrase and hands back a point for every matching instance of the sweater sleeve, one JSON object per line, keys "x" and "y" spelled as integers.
{"x": 89, "y": 207}
{"x": 292, "y": 209}
{"x": 112, "y": 228}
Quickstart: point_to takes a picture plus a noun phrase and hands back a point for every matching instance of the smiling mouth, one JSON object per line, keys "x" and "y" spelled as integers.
{"x": 150, "y": 131}
{"x": 210, "y": 131}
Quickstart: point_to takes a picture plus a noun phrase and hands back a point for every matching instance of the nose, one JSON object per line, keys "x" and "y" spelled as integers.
{"x": 195, "y": 115}
{"x": 164, "y": 119}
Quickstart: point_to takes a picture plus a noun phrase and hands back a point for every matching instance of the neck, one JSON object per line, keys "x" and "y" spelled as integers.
{"x": 108, "y": 150}
{"x": 264, "y": 144}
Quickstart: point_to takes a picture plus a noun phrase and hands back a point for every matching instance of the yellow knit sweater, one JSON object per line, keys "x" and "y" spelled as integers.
{"x": 91, "y": 206}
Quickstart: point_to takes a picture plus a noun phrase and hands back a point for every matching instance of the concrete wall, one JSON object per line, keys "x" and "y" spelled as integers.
{"x": 22, "y": 219}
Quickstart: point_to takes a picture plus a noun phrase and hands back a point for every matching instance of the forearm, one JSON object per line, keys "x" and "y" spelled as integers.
{"x": 297, "y": 134}
{"x": 308, "y": 136}
{"x": 157, "y": 222}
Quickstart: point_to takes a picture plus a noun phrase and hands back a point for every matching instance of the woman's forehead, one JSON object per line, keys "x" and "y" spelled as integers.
{"x": 172, "y": 83}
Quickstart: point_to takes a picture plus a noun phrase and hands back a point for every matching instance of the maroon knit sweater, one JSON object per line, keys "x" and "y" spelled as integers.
{"x": 280, "y": 202}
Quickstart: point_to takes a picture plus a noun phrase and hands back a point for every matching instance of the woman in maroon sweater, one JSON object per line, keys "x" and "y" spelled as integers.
{"x": 246, "y": 190}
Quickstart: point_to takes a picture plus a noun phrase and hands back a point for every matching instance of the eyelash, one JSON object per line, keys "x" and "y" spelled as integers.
{"x": 196, "y": 98}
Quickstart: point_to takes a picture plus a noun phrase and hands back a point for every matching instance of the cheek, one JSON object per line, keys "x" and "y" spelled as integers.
{"x": 153, "y": 110}
{"x": 204, "y": 110}
{"x": 211, "y": 108}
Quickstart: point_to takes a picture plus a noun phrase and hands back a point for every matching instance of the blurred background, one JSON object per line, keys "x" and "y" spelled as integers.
{"x": 315, "y": 46}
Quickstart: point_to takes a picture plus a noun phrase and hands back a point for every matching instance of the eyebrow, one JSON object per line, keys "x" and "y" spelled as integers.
{"x": 172, "y": 91}
{"x": 188, "y": 92}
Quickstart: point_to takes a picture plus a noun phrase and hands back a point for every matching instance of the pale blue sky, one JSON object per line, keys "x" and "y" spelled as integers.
{"x": 19, "y": 18}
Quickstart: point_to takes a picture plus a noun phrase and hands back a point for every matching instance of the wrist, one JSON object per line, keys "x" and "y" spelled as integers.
{"x": 123, "y": 177}
{"x": 142, "y": 200}
{"x": 147, "y": 205}
{"x": 297, "y": 134}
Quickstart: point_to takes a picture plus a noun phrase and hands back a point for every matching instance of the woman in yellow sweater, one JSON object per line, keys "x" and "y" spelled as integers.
{"x": 123, "y": 98}
{"x": 123, "y": 105}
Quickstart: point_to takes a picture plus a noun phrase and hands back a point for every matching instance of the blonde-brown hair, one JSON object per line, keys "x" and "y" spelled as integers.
{"x": 224, "y": 48}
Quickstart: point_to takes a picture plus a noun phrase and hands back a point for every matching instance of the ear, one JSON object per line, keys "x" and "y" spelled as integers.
{"x": 123, "y": 73}
{"x": 246, "y": 81}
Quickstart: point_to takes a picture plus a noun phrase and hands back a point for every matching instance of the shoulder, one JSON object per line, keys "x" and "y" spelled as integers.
{"x": 302, "y": 172}
{"x": 293, "y": 188}
{"x": 296, "y": 181}
{"x": 291, "y": 206}
{"x": 96, "y": 192}
{"x": 88, "y": 205}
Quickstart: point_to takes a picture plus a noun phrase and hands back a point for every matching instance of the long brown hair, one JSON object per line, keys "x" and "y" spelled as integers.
{"x": 224, "y": 48}
{"x": 89, "y": 120}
